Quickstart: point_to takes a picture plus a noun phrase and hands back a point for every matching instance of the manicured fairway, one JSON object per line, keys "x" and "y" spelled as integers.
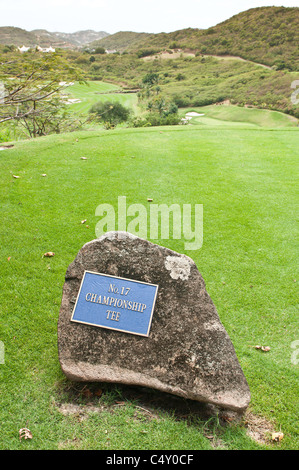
{"x": 223, "y": 115}
{"x": 246, "y": 180}
{"x": 93, "y": 91}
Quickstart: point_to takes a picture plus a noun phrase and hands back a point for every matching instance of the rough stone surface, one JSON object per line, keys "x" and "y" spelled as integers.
{"x": 188, "y": 352}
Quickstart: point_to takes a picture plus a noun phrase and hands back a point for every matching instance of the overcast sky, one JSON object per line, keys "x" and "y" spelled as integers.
{"x": 152, "y": 16}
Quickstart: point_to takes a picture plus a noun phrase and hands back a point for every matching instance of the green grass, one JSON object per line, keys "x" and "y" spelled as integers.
{"x": 245, "y": 179}
{"x": 227, "y": 115}
{"x": 95, "y": 91}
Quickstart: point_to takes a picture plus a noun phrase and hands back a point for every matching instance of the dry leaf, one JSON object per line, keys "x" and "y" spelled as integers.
{"x": 87, "y": 226}
{"x": 99, "y": 392}
{"x": 263, "y": 348}
{"x": 44, "y": 174}
{"x": 149, "y": 199}
{"x": 277, "y": 436}
{"x": 15, "y": 176}
{"x": 83, "y": 158}
{"x": 25, "y": 433}
{"x": 9, "y": 258}
{"x": 83, "y": 221}
{"x": 87, "y": 393}
{"x": 49, "y": 254}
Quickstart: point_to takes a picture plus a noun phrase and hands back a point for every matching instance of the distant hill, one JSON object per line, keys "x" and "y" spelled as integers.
{"x": 268, "y": 35}
{"x": 18, "y": 37}
{"x": 81, "y": 38}
{"x": 121, "y": 41}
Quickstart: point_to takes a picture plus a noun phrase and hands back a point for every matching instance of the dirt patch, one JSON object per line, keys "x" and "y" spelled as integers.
{"x": 80, "y": 400}
{"x": 6, "y": 147}
{"x": 258, "y": 428}
{"x": 82, "y": 412}
{"x": 168, "y": 55}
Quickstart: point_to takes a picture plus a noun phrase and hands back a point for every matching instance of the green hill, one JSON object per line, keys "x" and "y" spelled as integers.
{"x": 122, "y": 41}
{"x": 268, "y": 35}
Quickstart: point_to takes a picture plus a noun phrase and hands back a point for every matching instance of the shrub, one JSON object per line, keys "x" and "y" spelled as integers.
{"x": 112, "y": 113}
{"x": 99, "y": 50}
{"x": 154, "y": 119}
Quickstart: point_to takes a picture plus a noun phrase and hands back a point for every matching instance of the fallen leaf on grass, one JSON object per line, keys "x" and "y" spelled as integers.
{"x": 149, "y": 199}
{"x": 49, "y": 254}
{"x": 87, "y": 393}
{"x": 263, "y": 348}
{"x": 83, "y": 221}
{"x": 44, "y": 174}
{"x": 25, "y": 433}
{"x": 277, "y": 436}
{"x": 15, "y": 176}
{"x": 83, "y": 158}
{"x": 9, "y": 258}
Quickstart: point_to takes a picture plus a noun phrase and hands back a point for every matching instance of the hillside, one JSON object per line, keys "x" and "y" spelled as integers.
{"x": 122, "y": 41}
{"x": 268, "y": 35}
{"x": 80, "y": 38}
{"x": 196, "y": 80}
{"x": 17, "y": 36}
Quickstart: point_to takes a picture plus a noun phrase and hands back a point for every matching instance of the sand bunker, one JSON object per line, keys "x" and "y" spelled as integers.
{"x": 193, "y": 113}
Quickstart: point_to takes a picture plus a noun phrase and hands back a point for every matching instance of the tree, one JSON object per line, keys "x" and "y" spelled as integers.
{"x": 150, "y": 79}
{"x": 110, "y": 112}
{"x": 99, "y": 50}
{"x": 32, "y": 91}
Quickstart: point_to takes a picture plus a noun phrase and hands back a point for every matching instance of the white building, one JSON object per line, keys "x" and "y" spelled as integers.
{"x": 38, "y": 48}
{"x": 23, "y": 49}
{"x": 45, "y": 49}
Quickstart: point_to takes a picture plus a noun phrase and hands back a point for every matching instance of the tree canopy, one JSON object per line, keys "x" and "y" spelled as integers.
{"x": 32, "y": 87}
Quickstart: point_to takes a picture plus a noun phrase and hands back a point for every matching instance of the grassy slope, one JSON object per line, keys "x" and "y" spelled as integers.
{"x": 121, "y": 40}
{"x": 244, "y": 178}
{"x": 234, "y": 115}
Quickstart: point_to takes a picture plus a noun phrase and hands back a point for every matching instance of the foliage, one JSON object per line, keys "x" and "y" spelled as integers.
{"x": 150, "y": 79}
{"x": 112, "y": 113}
{"x": 156, "y": 119}
{"x": 99, "y": 50}
{"x": 31, "y": 95}
{"x": 258, "y": 34}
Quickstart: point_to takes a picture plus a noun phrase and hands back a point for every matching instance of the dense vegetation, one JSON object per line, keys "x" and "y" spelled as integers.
{"x": 197, "y": 80}
{"x": 192, "y": 67}
{"x": 267, "y": 35}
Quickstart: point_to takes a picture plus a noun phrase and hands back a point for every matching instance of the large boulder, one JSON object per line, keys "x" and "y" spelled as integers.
{"x": 187, "y": 352}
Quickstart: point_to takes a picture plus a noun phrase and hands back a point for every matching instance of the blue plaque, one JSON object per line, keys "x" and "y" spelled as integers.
{"x": 115, "y": 303}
